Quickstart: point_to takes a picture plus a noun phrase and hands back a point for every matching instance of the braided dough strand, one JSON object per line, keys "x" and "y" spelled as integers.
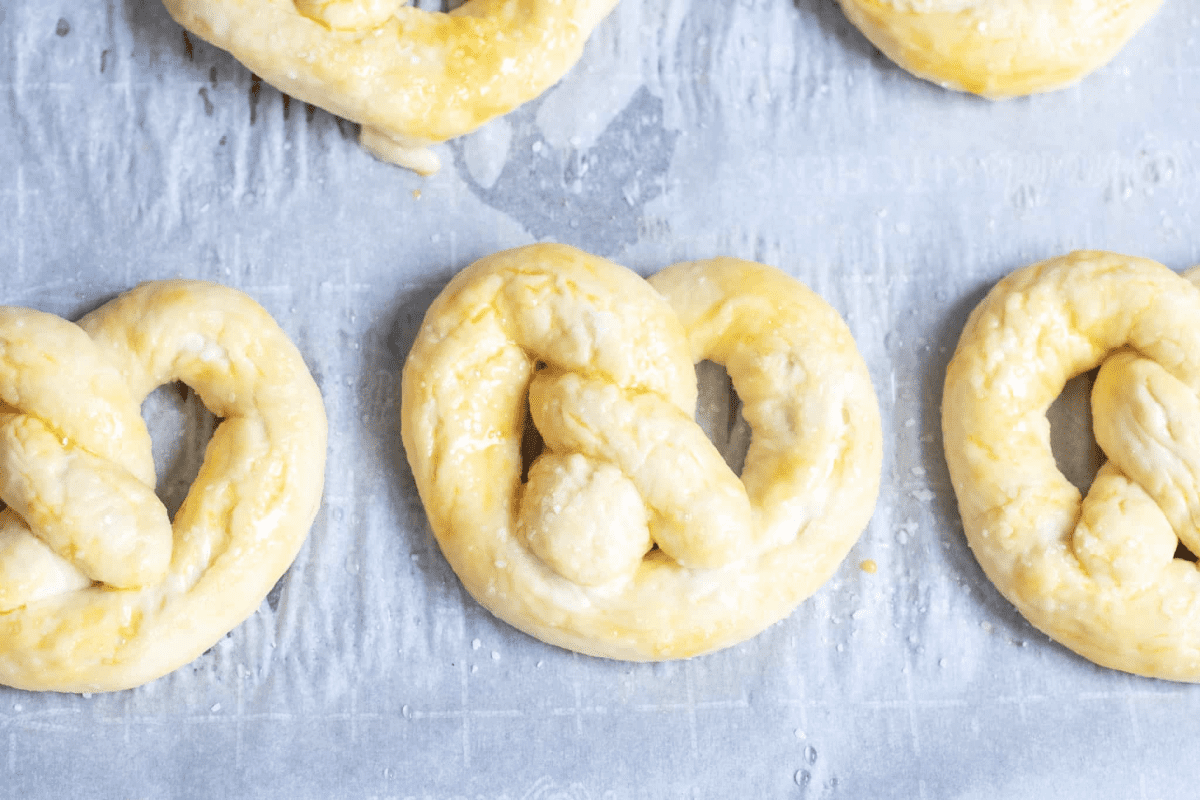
{"x": 1096, "y": 573}
{"x": 1000, "y": 48}
{"x": 606, "y": 362}
{"x": 411, "y": 78}
{"x": 124, "y": 595}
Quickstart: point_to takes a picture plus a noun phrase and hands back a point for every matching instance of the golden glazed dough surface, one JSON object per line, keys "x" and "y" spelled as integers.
{"x": 1000, "y": 48}
{"x": 606, "y": 361}
{"x": 98, "y": 589}
{"x": 411, "y": 78}
{"x": 1096, "y": 573}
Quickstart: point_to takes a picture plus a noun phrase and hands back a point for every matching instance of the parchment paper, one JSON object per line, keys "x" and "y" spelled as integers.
{"x": 764, "y": 129}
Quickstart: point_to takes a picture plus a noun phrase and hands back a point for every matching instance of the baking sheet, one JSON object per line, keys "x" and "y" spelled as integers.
{"x": 764, "y": 129}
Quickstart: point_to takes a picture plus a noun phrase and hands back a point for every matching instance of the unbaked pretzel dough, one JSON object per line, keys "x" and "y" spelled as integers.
{"x": 1098, "y": 573}
{"x": 411, "y": 78}
{"x": 631, "y": 538}
{"x": 99, "y": 590}
{"x": 1000, "y": 48}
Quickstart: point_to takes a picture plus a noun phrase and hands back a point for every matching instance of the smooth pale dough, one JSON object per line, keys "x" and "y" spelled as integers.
{"x": 1000, "y": 48}
{"x": 99, "y": 590}
{"x": 411, "y": 78}
{"x": 606, "y": 361}
{"x": 1096, "y": 573}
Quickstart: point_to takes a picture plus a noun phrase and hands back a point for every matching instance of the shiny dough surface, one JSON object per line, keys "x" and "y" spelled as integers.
{"x": 631, "y": 538}
{"x": 1000, "y": 48}
{"x": 1096, "y": 573}
{"x": 411, "y": 78}
{"x": 99, "y": 590}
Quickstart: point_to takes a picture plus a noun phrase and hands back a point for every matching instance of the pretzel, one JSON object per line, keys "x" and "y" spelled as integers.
{"x": 1000, "y": 48}
{"x": 99, "y": 590}
{"x": 411, "y": 78}
{"x": 1097, "y": 574}
{"x": 631, "y": 538}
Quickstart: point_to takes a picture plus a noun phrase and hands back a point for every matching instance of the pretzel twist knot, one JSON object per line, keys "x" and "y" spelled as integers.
{"x": 631, "y": 538}
{"x": 99, "y": 589}
{"x": 411, "y": 78}
{"x": 1097, "y": 573}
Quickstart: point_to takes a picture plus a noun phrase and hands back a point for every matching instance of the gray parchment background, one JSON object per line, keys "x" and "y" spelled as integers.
{"x": 765, "y": 129}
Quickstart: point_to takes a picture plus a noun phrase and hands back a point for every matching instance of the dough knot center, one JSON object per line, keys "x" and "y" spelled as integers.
{"x": 1147, "y": 497}
{"x": 624, "y": 470}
